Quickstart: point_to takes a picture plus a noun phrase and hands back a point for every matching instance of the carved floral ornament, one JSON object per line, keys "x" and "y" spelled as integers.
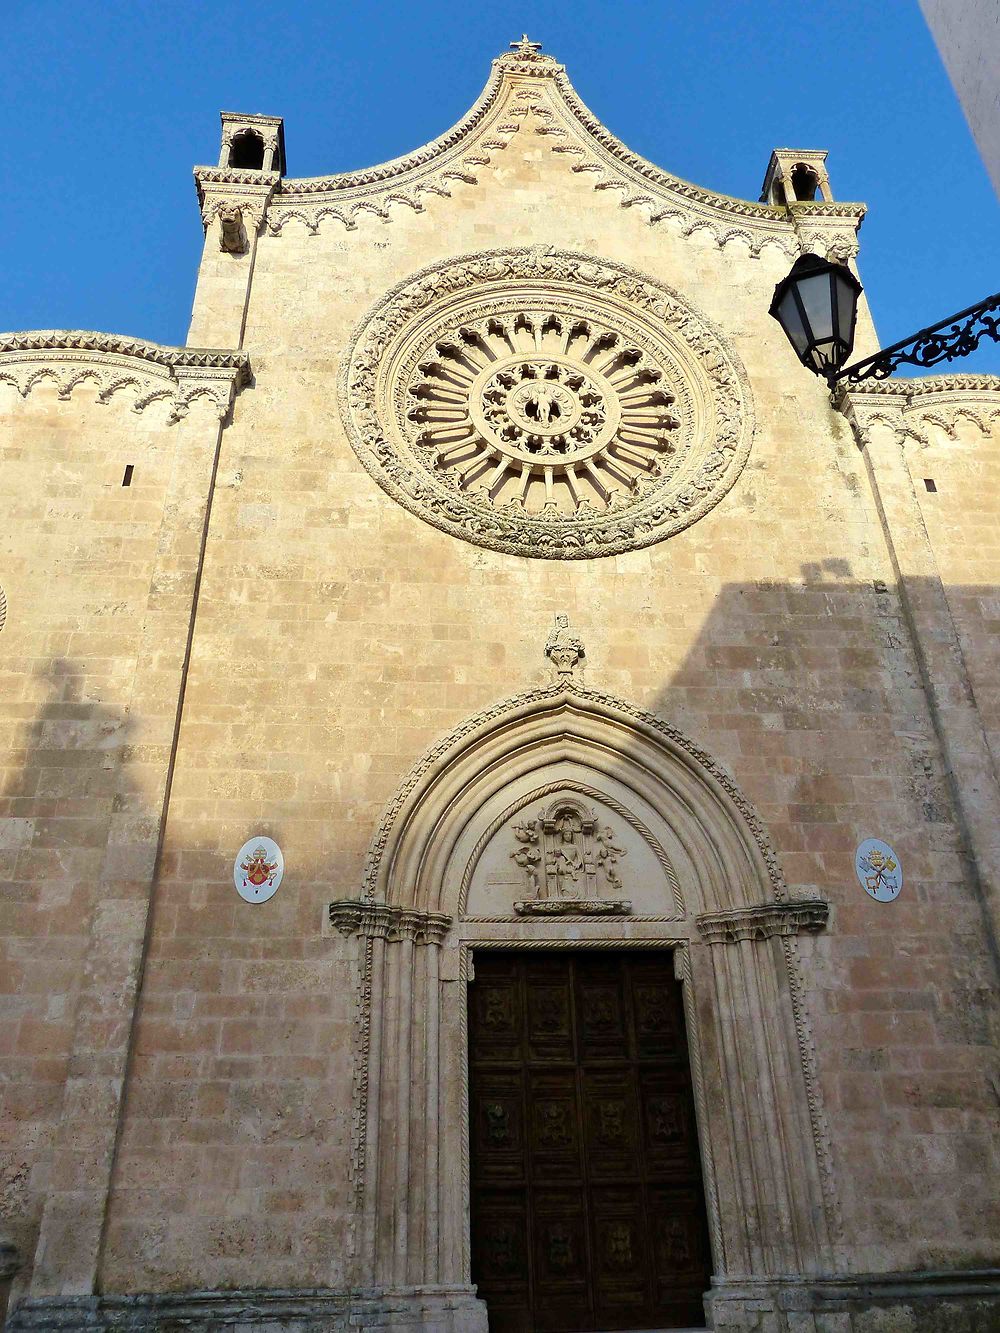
{"x": 544, "y": 403}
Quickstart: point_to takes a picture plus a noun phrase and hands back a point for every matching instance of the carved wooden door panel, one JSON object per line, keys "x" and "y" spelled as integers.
{"x": 587, "y": 1205}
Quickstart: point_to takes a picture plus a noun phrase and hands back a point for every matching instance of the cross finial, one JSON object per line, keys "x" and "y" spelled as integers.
{"x": 524, "y": 47}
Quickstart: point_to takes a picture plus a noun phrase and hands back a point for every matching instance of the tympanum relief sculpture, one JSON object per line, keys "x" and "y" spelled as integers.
{"x": 570, "y": 863}
{"x": 570, "y": 849}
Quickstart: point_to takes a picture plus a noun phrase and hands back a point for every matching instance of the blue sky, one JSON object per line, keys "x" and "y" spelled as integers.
{"x": 108, "y": 106}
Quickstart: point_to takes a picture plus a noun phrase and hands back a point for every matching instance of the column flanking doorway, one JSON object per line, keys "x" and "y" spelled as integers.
{"x": 588, "y": 1208}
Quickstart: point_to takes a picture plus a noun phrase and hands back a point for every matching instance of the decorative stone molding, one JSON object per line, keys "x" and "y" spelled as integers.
{"x": 152, "y": 371}
{"x": 809, "y": 1063}
{"x": 582, "y": 907}
{"x": 530, "y": 85}
{"x": 3, "y": 608}
{"x": 574, "y": 706}
{"x": 660, "y": 195}
{"x": 221, "y": 190}
{"x": 380, "y": 921}
{"x": 449, "y": 377}
{"x": 910, "y": 407}
{"x": 764, "y": 921}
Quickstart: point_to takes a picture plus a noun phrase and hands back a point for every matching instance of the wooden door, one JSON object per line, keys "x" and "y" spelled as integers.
{"x": 588, "y": 1211}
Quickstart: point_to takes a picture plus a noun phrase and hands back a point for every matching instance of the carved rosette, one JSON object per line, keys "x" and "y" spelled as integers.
{"x": 545, "y": 404}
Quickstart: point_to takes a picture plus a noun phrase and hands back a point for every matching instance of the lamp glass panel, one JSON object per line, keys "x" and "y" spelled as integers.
{"x": 817, "y": 299}
{"x": 791, "y": 322}
{"x": 847, "y": 300}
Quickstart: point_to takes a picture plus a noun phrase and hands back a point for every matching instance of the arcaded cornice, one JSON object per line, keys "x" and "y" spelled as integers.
{"x": 531, "y": 93}
{"x": 111, "y": 362}
{"x": 910, "y": 407}
{"x": 928, "y": 386}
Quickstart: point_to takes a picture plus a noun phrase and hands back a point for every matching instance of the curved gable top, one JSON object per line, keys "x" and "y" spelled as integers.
{"x": 526, "y": 84}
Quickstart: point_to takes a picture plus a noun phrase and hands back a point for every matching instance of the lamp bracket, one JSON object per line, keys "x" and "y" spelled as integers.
{"x": 954, "y": 337}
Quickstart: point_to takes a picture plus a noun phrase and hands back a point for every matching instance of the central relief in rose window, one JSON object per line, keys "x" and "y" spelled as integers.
{"x": 543, "y": 404}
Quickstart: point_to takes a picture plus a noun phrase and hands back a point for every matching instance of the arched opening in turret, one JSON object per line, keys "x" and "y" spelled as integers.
{"x": 805, "y": 183}
{"x": 247, "y": 152}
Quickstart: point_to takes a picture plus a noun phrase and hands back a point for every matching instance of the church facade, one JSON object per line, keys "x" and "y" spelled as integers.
{"x": 500, "y": 807}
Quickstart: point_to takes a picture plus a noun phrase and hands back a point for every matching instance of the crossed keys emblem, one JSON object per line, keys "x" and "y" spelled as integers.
{"x": 879, "y": 870}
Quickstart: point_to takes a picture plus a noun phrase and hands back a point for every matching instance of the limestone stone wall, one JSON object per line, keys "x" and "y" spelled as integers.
{"x": 99, "y": 582}
{"x": 338, "y": 636}
{"x": 77, "y": 569}
{"x": 961, "y": 457}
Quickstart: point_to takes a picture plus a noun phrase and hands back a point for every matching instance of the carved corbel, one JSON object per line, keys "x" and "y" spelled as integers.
{"x": 865, "y": 409}
{"x": 217, "y": 385}
{"x": 763, "y": 922}
{"x": 380, "y": 921}
{"x": 233, "y": 237}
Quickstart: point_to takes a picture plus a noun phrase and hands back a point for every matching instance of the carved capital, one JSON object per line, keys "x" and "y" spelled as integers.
{"x": 764, "y": 921}
{"x": 380, "y": 921}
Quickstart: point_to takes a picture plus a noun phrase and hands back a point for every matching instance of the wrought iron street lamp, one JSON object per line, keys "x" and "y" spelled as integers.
{"x": 817, "y": 306}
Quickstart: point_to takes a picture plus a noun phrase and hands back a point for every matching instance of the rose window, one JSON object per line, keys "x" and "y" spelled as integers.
{"x": 546, "y": 405}
{"x": 542, "y": 411}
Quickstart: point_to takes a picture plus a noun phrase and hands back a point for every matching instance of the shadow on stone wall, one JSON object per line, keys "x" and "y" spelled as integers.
{"x": 61, "y": 787}
{"x": 808, "y": 694}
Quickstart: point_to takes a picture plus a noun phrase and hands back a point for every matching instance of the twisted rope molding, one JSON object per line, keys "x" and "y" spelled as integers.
{"x": 682, "y": 970}
{"x": 810, "y": 1072}
{"x": 594, "y": 794}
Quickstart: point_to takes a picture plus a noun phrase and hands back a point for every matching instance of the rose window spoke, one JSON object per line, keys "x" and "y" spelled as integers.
{"x": 542, "y": 411}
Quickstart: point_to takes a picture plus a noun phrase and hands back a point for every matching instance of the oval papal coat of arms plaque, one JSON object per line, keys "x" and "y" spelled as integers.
{"x": 258, "y": 869}
{"x": 878, "y": 869}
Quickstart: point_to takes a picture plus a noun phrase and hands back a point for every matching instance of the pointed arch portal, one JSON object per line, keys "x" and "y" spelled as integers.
{"x": 566, "y": 818}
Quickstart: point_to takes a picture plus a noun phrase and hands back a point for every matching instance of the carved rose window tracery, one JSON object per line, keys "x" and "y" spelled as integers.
{"x": 544, "y": 412}
{"x": 545, "y": 404}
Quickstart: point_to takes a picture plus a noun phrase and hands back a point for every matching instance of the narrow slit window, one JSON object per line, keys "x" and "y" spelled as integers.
{"x": 930, "y": 484}
{"x": 127, "y": 478}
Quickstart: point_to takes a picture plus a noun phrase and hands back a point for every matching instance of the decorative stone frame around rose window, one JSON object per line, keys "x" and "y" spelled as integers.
{"x": 544, "y": 403}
